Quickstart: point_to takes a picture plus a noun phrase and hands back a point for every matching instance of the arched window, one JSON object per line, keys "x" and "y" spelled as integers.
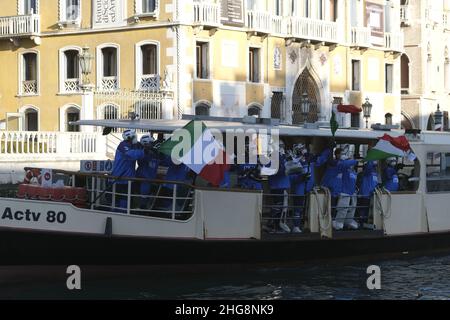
{"x": 254, "y": 111}
{"x": 388, "y": 119}
{"x": 70, "y": 70}
{"x": 72, "y": 115}
{"x": 29, "y": 74}
{"x": 31, "y": 119}
{"x": 202, "y": 109}
{"x": 405, "y": 74}
{"x": 147, "y": 66}
{"x": 110, "y": 112}
{"x": 108, "y": 69}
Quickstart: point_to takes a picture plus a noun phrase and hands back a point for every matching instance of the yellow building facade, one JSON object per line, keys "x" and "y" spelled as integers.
{"x": 223, "y": 58}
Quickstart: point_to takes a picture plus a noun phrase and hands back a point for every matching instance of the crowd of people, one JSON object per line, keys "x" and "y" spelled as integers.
{"x": 351, "y": 181}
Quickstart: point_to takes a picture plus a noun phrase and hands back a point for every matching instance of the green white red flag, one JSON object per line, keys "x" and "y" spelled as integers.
{"x": 388, "y": 147}
{"x": 203, "y": 154}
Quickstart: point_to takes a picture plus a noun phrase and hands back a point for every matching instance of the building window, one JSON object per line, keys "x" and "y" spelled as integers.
{"x": 202, "y": 109}
{"x": 254, "y": 65}
{"x": 355, "y": 120}
{"x": 72, "y": 115}
{"x": 70, "y": 11}
{"x": 108, "y": 68}
{"x": 31, "y": 119}
{"x": 148, "y": 67}
{"x": 388, "y": 119}
{"x": 146, "y": 7}
{"x": 254, "y": 111}
{"x": 405, "y": 74}
{"x": 108, "y": 112}
{"x": 389, "y": 71}
{"x": 356, "y": 75}
{"x": 29, "y": 7}
{"x": 278, "y": 8}
{"x": 202, "y": 60}
{"x": 334, "y": 10}
{"x": 29, "y": 74}
{"x": 70, "y": 71}
{"x": 438, "y": 172}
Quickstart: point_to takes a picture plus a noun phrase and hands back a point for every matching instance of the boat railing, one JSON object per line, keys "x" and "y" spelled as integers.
{"x": 286, "y": 211}
{"x": 171, "y": 200}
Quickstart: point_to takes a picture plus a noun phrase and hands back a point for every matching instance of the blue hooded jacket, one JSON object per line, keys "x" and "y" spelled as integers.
{"x": 125, "y": 161}
{"x": 369, "y": 179}
{"x": 280, "y": 181}
{"x": 349, "y": 181}
{"x": 148, "y": 167}
{"x": 178, "y": 173}
{"x": 247, "y": 182}
{"x": 333, "y": 178}
{"x": 302, "y": 187}
{"x": 391, "y": 183}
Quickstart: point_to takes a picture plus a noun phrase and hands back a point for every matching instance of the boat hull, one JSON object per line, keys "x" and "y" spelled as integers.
{"x": 19, "y": 247}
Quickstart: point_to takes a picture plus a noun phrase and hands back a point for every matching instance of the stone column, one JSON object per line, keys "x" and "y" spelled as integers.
{"x": 87, "y": 107}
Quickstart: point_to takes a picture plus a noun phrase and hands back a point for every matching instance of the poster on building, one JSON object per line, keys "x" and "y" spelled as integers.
{"x": 375, "y": 21}
{"x": 232, "y": 12}
{"x": 108, "y": 13}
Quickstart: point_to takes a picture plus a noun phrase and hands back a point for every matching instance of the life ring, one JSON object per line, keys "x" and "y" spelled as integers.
{"x": 32, "y": 173}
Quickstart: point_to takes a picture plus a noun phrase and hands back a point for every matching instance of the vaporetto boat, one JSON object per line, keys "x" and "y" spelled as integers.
{"x": 77, "y": 221}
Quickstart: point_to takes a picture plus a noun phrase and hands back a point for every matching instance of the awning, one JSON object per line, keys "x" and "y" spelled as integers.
{"x": 349, "y": 108}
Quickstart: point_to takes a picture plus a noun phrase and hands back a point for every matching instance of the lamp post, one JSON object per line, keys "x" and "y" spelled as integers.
{"x": 438, "y": 117}
{"x": 367, "y": 111}
{"x": 87, "y": 98}
{"x": 306, "y": 105}
{"x": 85, "y": 58}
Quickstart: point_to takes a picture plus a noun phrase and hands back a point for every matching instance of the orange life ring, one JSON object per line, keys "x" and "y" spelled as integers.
{"x": 32, "y": 173}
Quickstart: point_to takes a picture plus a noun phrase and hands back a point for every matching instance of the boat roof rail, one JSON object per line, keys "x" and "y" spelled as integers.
{"x": 245, "y": 119}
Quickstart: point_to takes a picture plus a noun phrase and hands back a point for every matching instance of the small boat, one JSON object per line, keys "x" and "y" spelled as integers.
{"x": 77, "y": 221}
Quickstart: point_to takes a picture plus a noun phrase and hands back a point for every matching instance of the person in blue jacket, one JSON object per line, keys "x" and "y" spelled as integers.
{"x": 147, "y": 169}
{"x": 127, "y": 153}
{"x": 249, "y": 174}
{"x": 333, "y": 179}
{"x": 279, "y": 185}
{"x": 369, "y": 183}
{"x": 391, "y": 181}
{"x": 347, "y": 199}
{"x": 303, "y": 181}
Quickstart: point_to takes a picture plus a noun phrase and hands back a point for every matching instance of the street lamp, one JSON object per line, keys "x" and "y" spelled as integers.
{"x": 306, "y": 104}
{"x": 367, "y": 111}
{"x": 438, "y": 117}
{"x": 86, "y": 65}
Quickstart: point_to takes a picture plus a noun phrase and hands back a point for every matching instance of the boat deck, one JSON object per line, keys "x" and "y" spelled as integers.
{"x": 354, "y": 234}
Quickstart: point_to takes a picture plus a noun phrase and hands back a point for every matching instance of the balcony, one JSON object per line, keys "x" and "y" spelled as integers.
{"x": 394, "y": 42}
{"x": 360, "y": 37}
{"x": 405, "y": 15}
{"x": 72, "y": 85}
{"x": 109, "y": 83}
{"x": 265, "y": 22}
{"x": 29, "y": 88}
{"x": 207, "y": 14}
{"x": 19, "y": 26}
{"x": 312, "y": 29}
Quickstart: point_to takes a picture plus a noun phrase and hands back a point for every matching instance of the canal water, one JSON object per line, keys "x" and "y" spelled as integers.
{"x": 408, "y": 278}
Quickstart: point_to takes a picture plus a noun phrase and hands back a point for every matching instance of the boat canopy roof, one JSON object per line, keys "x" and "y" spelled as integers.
{"x": 168, "y": 126}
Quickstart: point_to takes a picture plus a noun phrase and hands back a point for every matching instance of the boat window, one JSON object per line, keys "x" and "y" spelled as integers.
{"x": 408, "y": 174}
{"x": 438, "y": 172}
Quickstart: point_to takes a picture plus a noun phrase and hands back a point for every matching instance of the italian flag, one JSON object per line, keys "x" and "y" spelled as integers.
{"x": 388, "y": 147}
{"x": 195, "y": 146}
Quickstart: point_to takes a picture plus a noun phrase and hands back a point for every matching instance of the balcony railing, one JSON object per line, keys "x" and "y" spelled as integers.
{"x": 265, "y": 22}
{"x": 313, "y": 29}
{"x": 109, "y": 83}
{"x": 49, "y": 145}
{"x": 207, "y": 13}
{"x": 149, "y": 82}
{"x": 72, "y": 85}
{"x": 394, "y": 41}
{"x": 405, "y": 14}
{"x": 29, "y": 87}
{"x": 360, "y": 37}
{"x": 17, "y": 26}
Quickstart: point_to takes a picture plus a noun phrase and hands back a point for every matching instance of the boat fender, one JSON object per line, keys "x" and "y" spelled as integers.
{"x": 32, "y": 173}
{"x": 108, "y": 227}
